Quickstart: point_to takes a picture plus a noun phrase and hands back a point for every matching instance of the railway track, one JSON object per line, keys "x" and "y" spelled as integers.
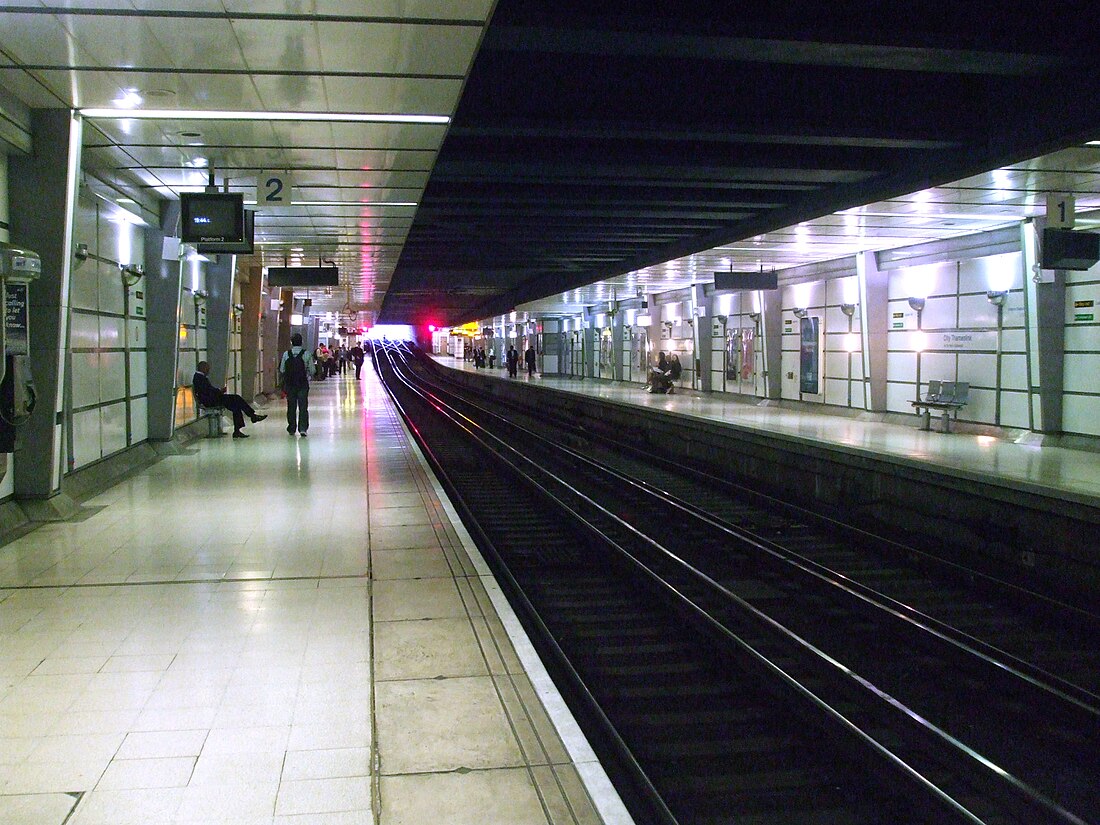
{"x": 735, "y": 678}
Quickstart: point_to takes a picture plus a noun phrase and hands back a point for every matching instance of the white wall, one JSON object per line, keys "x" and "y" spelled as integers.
{"x": 1081, "y": 382}
{"x": 108, "y": 385}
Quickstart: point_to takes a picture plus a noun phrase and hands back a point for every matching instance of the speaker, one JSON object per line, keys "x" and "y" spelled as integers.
{"x": 1066, "y": 249}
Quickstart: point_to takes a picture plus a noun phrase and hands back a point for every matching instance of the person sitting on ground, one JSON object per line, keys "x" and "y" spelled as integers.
{"x": 210, "y": 396}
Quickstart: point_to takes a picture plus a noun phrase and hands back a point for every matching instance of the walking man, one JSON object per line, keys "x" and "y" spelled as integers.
{"x": 294, "y": 371}
{"x": 357, "y": 356}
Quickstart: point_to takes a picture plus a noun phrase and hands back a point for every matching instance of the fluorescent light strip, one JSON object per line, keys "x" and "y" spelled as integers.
{"x": 190, "y": 114}
{"x": 934, "y": 216}
{"x": 345, "y": 203}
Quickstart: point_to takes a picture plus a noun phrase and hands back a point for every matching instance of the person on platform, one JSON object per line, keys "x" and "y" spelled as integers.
{"x": 294, "y": 370}
{"x": 357, "y": 357}
{"x": 513, "y": 362}
{"x": 658, "y": 375}
{"x": 529, "y": 358}
{"x": 210, "y": 396}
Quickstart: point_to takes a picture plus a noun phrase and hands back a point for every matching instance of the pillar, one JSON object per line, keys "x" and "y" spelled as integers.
{"x": 219, "y": 310}
{"x": 251, "y": 297}
{"x": 163, "y": 290}
{"x": 43, "y": 192}
{"x": 874, "y": 315}
{"x": 1045, "y": 294}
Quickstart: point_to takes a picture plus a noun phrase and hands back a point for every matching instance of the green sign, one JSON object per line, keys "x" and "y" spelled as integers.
{"x": 899, "y": 324}
{"x": 1083, "y": 316}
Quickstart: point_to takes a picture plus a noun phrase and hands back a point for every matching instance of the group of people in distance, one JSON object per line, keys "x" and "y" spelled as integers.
{"x": 296, "y": 367}
{"x": 663, "y": 377}
{"x": 329, "y": 361}
{"x": 511, "y": 360}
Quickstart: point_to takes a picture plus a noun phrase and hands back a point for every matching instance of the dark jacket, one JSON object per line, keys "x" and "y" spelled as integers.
{"x": 207, "y": 394}
{"x": 529, "y": 357}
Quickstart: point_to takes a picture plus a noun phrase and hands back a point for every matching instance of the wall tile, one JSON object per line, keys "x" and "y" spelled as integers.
{"x": 86, "y": 438}
{"x": 114, "y": 428}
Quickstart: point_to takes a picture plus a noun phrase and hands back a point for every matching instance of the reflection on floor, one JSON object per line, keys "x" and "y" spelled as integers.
{"x": 273, "y": 630}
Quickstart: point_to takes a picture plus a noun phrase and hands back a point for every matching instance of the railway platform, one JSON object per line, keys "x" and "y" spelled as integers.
{"x": 278, "y": 630}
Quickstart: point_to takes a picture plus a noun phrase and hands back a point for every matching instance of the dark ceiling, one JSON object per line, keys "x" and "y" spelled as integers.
{"x": 593, "y": 139}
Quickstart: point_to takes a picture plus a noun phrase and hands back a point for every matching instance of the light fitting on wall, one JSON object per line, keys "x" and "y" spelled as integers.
{"x": 81, "y": 253}
{"x": 997, "y": 297}
{"x": 238, "y": 307}
{"x": 755, "y": 316}
{"x": 200, "y": 296}
{"x": 801, "y": 312}
{"x": 131, "y": 273}
{"x": 917, "y": 304}
{"x": 848, "y": 309}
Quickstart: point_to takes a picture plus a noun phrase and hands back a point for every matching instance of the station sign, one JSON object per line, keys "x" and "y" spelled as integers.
{"x": 274, "y": 189}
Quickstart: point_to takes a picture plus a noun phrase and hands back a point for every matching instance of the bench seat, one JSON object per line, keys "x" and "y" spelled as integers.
{"x": 947, "y": 397}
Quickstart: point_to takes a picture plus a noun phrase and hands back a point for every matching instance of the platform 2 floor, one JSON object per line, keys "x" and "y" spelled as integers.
{"x": 1059, "y": 472}
{"x": 278, "y": 630}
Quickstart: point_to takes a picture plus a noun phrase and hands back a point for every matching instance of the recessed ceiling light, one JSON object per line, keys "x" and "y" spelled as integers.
{"x": 198, "y": 163}
{"x": 129, "y": 99}
{"x": 215, "y": 114}
{"x": 161, "y": 93}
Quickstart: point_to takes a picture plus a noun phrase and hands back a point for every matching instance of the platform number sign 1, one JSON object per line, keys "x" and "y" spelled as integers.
{"x": 1060, "y": 211}
{"x": 273, "y": 189}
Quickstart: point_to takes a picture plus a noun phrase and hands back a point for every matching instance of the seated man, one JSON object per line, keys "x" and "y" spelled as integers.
{"x": 209, "y": 396}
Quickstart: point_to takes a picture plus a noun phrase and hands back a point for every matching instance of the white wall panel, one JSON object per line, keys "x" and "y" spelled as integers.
{"x": 1014, "y": 372}
{"x": 995, "y": 272}
{"x": 923, "y": 281}
{"x": 836, "y": 364}
{"x": 939, "y": 313}
{"x": 114, "y": 428}
{"x": 978, "y": 369}
{"x": 1081, "y": 414}
{"x": 1091, "y": 274}
{"x": 1083, "y": 338}
{"x": 1082, "y": 372}
{"x": 85, "y": 378}
{"x": 804, "y": 296}
{"x": 112, "y": 375}
{"x": 982, "y": 406}
{"x": 86, "y": 437}
{"x": 84, "y": 289}
{"x": 898, "y": 397}
{"x": 976, "y": 311}
{"x": 139, "y": 420}
{"x": 138, "y": 338}
{"x": 939, "y": 366}
{"x": 111, "y": 332}
{"x": 139, "y": 367}
{"x": 187, "y": 315}
{"x": 901, "y": 366}
{"x": 1014, "y": 340}
{"x": 1014, "y": 410}
{"x": 843, "y": 291}
{"x": 84, "y": 331}
{"x": 836, "y": 392}
{"x": 110, "y": 289}
{"x": 200, "y": 340}
{"x": 187, "y": 364}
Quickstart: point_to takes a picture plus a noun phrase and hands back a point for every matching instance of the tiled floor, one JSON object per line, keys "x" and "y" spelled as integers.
{"x": 1060, "y": 471}
{"x": 277, "y": 630}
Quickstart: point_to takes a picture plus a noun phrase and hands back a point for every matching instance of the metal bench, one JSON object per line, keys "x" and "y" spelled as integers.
{"x": 946, "y": 396}
{"x": 215, "y": 424}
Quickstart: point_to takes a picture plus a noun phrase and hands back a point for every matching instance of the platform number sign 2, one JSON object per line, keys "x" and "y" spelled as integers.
{"x": 273, "y": 189}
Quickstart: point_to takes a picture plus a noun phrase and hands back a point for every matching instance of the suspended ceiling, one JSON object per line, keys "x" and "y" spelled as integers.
{"x": 596, "y": 140}
{"x": 359, "y": 181}
{"x": 589, "y": 140}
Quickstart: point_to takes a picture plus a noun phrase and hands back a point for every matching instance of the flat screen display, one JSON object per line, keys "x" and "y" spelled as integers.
{"x": 746, "y": 280}
{"x": 245, "y": 247}
{"x": 212, "y": 217}
{"x": 303, "y": 276}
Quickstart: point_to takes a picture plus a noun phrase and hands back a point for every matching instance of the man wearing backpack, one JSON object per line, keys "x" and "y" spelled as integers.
{"x": 294, "y": 370}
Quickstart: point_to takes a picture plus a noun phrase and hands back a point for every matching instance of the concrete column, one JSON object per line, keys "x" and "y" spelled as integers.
{"x": 703, "y": 342}
{"x": 285, "y": 311}
{"x": 874, "y": 315}
{"x": 250, "y": 331}
{"x": 771, "y": 331}
{"x": 163, "y": 290}
{"x": 43, "y": 193}
{"x": 219, "y": 309}
{"x": 590, "y": 352}
{"x": 1046, "y": 334}
{"x": 617, "y": 346}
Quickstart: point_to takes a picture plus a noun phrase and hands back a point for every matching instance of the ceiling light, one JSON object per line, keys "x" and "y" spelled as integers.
{"x": 214, "y": 114}
{"x": 129, "y": 99}
{"x": 198, "y": 163}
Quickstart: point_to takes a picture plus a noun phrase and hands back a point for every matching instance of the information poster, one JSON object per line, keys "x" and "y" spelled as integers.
{"x": 15, "y": 320}
{"x": 748, "y": 344}
{"x": 733, "y": 355}
{"x": 809, "y": 357}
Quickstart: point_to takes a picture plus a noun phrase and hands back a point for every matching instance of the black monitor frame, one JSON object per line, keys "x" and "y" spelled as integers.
{"x": 194, "y": 204}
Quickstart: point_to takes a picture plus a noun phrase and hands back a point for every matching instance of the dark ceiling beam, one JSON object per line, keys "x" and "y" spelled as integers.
{"x": 856, "y": 55}
{"x": 547, "y": 171}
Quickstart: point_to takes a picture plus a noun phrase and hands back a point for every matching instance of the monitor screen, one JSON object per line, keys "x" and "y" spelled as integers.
{"x": 303, "y": 276}
{"x": 245, "y": 247}
{"x": 212, "y": 217}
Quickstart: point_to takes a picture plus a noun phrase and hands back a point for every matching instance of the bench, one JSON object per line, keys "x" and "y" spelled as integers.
{"x": 947, "y": 396}
{"x": 214, "y": 421}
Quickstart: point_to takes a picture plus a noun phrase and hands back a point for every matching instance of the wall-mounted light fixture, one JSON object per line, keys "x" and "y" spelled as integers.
{"x": 131, "y": 273}
{"x": 997, "y": 297}
{"x": 917, "y": 304}
{"x": 238, "y": 307}
{"x": 667, "y": 324}
{"x": 81, "y": 253}
{"x": 755, "y": 316}
{"x": 848, "y": 309}
{"x": 200, "y": 296}
{"x": 801, "y": 312}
